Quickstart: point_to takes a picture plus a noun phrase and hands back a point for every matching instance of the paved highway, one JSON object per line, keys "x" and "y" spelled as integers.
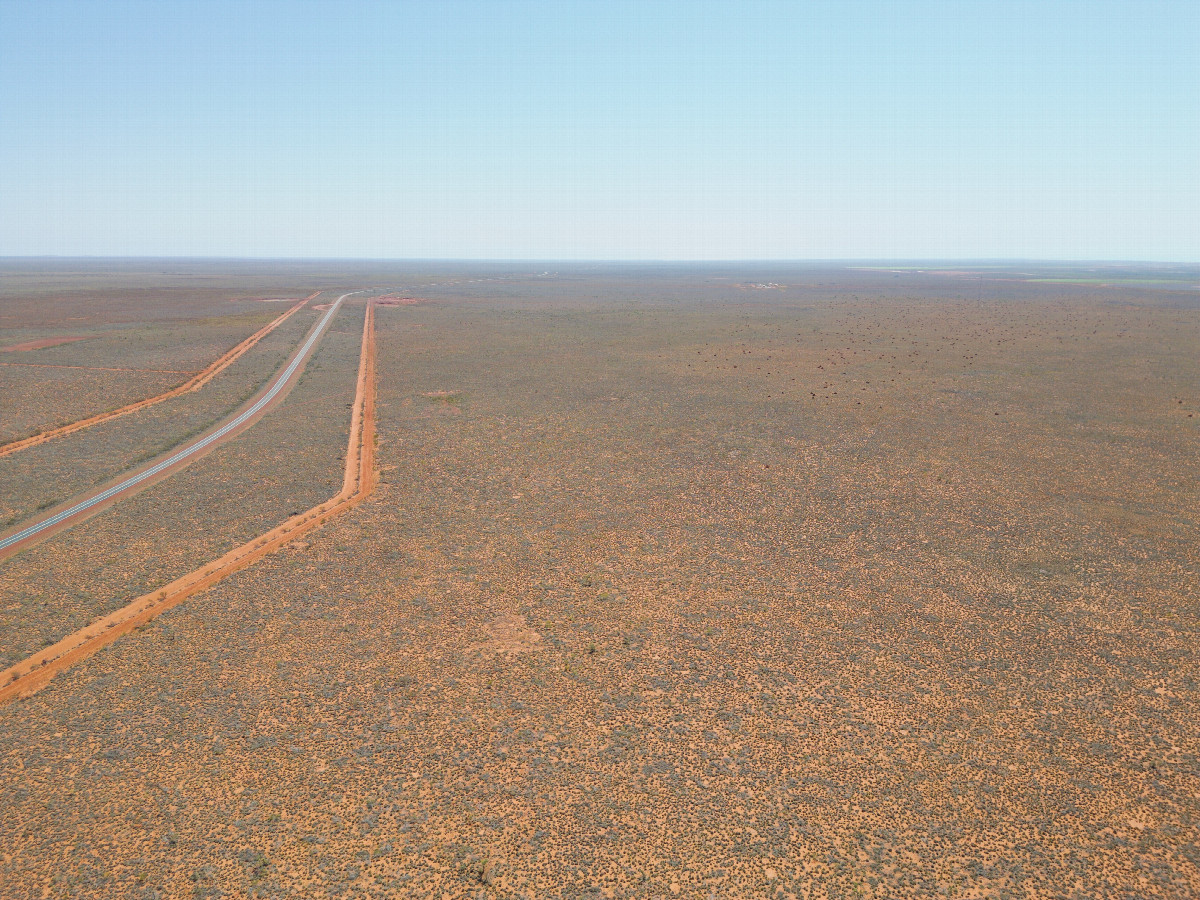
{"x": 64, "y": 518}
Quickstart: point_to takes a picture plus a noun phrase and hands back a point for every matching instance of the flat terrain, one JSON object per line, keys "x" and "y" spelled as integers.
{"x": 60, "y": 469}
{"x": 289, "y": 461}
{"x": 679, "y": 581}
{"x": 108, "y": 340}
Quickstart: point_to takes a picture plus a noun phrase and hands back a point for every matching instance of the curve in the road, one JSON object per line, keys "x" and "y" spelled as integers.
{"x": 66, "y": 517}
{"x": 194, "y": 383}
{"x": 32, "y": 674}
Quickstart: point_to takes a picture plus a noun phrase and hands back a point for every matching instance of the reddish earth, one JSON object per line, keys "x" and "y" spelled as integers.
{"x": 43, "y": 342}
{"x": 97, "y": 368}
{"x": 34, "y": 673}
{"x": 398, "y": 301}
{"x": 626, "y": 628}
{"x": 311, "y": 296}
{"x": 193, "y": 384}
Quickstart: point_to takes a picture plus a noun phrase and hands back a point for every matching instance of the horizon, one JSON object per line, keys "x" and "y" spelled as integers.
{"x": 892, "y": 262}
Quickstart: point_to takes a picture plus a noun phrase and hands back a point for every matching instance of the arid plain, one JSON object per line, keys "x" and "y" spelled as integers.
{"x": 677, "y": 581}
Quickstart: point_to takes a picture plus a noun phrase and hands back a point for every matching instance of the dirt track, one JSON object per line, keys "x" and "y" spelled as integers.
{"x": 41, "y": 343}
{"x": 192, "y": 384}
{"x": 72, "y": 512}
{"x": 30, "y": 675}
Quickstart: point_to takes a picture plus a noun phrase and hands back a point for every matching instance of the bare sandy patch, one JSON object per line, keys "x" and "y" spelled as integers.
{"x": 43, "y": 342}
{"x": 508, "y": 633}
{"x": 445, "y": 401}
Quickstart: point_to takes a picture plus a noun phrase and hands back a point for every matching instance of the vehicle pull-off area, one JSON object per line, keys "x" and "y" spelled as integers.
{"x": 30, "y": 675}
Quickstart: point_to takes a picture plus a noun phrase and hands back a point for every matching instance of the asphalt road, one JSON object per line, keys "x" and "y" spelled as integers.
{"x": 67, "y": 517}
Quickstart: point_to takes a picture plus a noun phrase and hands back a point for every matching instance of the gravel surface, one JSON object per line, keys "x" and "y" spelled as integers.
{"x": 905, "y": 604}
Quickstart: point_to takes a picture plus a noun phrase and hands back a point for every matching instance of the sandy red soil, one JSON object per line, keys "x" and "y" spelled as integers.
{"x": 32, "y": 674}
{"x": 878, "y": 586}
{"x": 98, "y": 368}
{"x": 192, "y": 384}
{"x": 42, "y": 343}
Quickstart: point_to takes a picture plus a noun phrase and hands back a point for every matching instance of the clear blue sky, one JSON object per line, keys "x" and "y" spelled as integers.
{"x": 579, "y": 129}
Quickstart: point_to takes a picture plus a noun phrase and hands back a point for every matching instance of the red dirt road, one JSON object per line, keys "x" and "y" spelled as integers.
{"x": 75, "y": 510}
{"x": 192, "y": 384}
{"x": 30, "y": 675}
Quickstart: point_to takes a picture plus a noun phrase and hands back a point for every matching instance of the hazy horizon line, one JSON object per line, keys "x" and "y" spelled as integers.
{"x": 885, "y": 260}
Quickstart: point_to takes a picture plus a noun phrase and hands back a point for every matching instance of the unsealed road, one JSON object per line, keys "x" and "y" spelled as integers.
{"x": 68, "y": 517}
